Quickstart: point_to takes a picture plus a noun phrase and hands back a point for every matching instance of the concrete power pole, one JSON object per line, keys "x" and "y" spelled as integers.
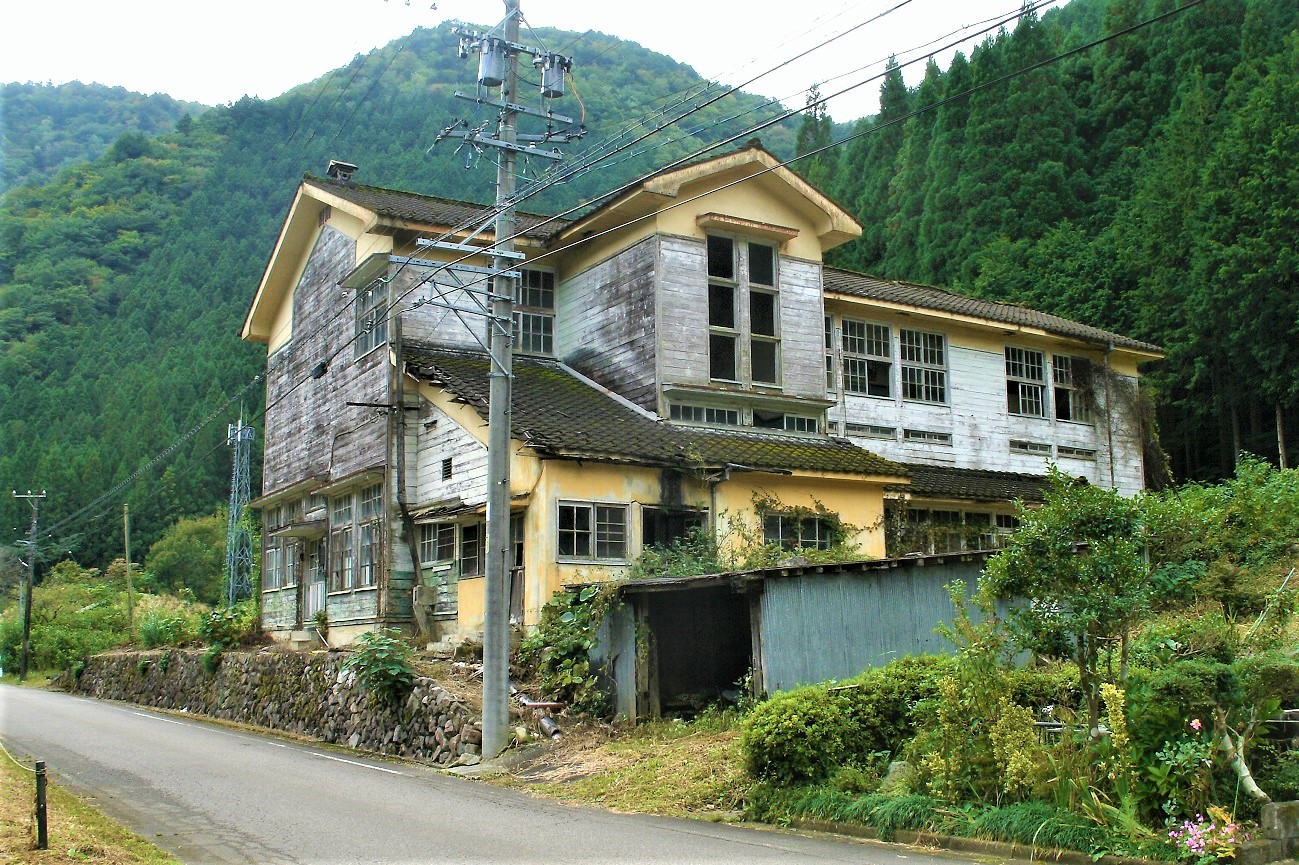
{"x": 130, "y": 600}
{"x": 34, "y": 499}
{"x": 498, "y": 67}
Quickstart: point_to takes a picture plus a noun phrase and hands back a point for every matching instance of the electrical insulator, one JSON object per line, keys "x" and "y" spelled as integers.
{"x": 553, "y": 69}
{"x": 491, "y": 63}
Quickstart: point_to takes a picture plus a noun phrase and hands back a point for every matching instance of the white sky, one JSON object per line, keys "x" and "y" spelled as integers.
{"x": 217, "y": 52}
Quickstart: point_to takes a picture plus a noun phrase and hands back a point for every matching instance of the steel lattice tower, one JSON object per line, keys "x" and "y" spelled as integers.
{"x": 239, "y": 543}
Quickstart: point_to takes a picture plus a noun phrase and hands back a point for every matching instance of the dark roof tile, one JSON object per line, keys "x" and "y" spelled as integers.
{"x": 929, "y": 297}
{"x": 979, "y": 485}
{"x": 429, "y": 210}
{"x": 559, "y": 413}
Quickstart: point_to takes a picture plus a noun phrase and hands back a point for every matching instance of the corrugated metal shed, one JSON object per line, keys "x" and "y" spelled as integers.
{"x": 805, "y": 623}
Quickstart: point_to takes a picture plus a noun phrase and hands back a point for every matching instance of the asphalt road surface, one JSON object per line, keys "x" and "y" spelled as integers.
{"x": 210, "y": 794}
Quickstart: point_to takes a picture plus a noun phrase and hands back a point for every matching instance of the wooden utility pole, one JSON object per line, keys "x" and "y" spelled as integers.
{"x": 34, "y": 500}
{"x": 130, "y": 600}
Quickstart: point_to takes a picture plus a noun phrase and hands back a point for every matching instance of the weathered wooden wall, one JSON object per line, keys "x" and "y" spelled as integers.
{"x": 605, "y": 326}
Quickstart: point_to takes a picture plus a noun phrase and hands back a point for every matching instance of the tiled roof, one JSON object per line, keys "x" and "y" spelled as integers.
{"x": 929, "y": 297}
{"x": 558, "y": 413}
{"x": 944, "y": 482}
{"x": 441, "y": 212}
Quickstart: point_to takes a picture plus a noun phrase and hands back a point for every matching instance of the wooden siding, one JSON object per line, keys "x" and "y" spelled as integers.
{"x": 683, "y": 312}
{"x": 982, "y": 428}
{"x": 683, "y": 316}
{"x": 310, "y": 430}
{"x": 280, "y": 609}
{"x": 605, "y": 327}
{"x": 802, "y": 360}
{"x": 440, "y": 437}
{"x": 432, "y": 324}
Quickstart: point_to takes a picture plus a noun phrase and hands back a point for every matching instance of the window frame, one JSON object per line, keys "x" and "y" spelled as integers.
{"x": 792, "y": 531}
{"x": 745, "y": 294}
{"x": 862, "y": 351}
{"x": 931, "y": 374}
{"x": 1026, "y": 393}
{"x": 596, "y": 513}
{"x": 534, "y": 322}
{"x": 1068, "y": 396}
{"x": 371, "y": 317}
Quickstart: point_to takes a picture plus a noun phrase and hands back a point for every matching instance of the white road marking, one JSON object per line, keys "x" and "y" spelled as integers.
{"x": 354, "y": 763}
{"x": 164, "y": 720}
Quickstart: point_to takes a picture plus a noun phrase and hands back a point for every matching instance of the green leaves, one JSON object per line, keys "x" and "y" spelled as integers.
{"x": 383, "y": 663}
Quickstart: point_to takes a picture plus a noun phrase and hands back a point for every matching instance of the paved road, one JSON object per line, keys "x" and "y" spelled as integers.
{"x": 214, "y": 795}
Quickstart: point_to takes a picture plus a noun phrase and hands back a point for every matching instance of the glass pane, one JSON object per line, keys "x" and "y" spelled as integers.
{"x": 721, "y": 356}
{"x": 762, "y": 313}
{"x": 721, "y": 306}
{"x": 721, "y": 257}
{"x": 764, "y": 361}
{"x": 762, "y": 264}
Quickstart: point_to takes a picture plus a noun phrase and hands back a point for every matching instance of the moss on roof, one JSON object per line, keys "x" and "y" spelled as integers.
{"x": 557, "y": 413}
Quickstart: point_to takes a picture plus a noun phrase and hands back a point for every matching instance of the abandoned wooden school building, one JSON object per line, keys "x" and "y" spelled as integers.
{"x": 687, "y": 366}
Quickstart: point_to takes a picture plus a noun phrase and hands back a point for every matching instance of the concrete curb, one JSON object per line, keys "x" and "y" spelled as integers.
{"x": 1001, "y": 849}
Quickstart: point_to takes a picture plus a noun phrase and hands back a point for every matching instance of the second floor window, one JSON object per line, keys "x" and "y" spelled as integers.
{"x": 534, "y": 313}
{"x": 791, "y": 532}
{"x": 371, "y": 317}
{"x": 1025, "y": 382}
{"x": 867, "y": 358}
{"x": 924, "y": 365}
{"x": 742, "y": 278}
{"x": 1072, "y": 400}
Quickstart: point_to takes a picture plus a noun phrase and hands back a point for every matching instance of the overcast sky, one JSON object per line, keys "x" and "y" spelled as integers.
{"x": 217, "y": 52}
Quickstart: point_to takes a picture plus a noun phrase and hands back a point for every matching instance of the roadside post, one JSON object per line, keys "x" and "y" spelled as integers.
{"x": 42, "y": 830}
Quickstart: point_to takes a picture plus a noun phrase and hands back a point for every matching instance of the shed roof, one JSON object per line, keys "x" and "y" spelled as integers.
{"x": 929, "y": 297}
{"x": 558, "y": 412}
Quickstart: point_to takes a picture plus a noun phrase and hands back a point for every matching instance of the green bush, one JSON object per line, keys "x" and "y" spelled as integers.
{"x": 559, "y": 651}
{"x": 229, "y": 626}
{"x": 797, "y": 736}
{"x": 383, "y": 663}
{"x": 880, "y": 703}
{"x": 161, "y": 629}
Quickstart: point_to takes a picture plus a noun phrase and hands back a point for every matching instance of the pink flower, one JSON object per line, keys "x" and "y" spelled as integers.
{"x": 1196, "y": 725}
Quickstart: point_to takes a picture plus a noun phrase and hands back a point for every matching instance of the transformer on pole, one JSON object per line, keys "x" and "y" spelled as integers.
{"x": 239, "y": 542}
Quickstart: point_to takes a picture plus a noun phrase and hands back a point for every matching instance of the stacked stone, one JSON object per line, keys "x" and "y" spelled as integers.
{"x": 305, "y": 693}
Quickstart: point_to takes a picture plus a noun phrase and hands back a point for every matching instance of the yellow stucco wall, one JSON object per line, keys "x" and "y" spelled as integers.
{"x": 859, "y": 503}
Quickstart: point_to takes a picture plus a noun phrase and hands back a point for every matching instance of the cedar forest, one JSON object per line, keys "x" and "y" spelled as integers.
{"x": 1145, "y": 186}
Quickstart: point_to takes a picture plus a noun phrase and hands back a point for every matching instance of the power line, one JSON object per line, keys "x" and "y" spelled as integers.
{"x": 901, "y": 119}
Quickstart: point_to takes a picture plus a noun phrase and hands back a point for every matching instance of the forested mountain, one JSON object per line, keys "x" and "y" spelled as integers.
{"x": 44, "y": 127}
{"x": 1147, "y": 186}
{"x": 124, "y": 280}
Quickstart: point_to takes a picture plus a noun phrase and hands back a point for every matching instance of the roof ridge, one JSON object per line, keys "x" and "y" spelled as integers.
{"x": 441, "y": 199}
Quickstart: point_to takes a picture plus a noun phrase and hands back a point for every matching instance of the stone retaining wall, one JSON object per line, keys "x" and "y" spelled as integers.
{"x": 305, "y": 693}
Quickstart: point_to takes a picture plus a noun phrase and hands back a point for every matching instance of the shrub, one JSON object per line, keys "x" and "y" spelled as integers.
{"x": 797, "y": 736}
{"x": 212, "y": 659}
{"x": 227, "y": 627}
{"x": 559, "y": 651}
{"x": 383, "y": 663}
{"x": 160, "y": 629}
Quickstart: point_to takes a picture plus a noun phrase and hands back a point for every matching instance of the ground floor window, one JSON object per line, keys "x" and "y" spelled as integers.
{"x": 588, "y": 530}
{"x": 791, "y": 532}
{"x": 910, "y": 530}
{"x": 458, "y": 543}
{"x": 663, "y": 527}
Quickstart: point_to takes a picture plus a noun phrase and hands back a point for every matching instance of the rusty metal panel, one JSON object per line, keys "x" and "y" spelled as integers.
{"x": 834, "y": 625}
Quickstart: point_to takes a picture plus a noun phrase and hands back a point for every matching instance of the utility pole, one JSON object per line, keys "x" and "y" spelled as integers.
{"x": 130, "y": 601}
{"x": 498, "y": 67}
{"x": 34, "y": 500}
